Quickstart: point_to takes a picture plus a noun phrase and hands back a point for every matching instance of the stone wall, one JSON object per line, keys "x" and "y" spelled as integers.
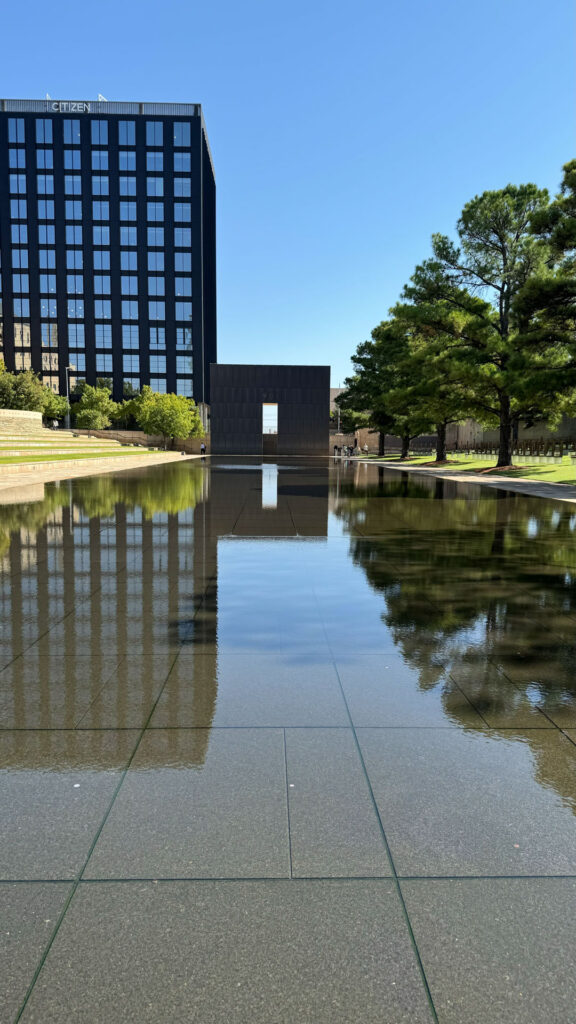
{"x": 20, "y": 421}
{"x": 190, "y": 445}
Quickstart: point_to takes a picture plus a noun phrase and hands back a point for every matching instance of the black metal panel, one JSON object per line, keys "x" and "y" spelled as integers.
{"x": 238, "y": 393}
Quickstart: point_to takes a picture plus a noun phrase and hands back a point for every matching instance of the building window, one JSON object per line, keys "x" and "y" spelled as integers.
{"x": 156, "y": 261}
{"x": 129, "y": 284}
{"x": 19, "y": 234}
{"x": 181, "y": 133}
{"x": 103, "y": 362}
{"x": 74, "y": 284}
{"x": 154, "y": 161}
{"x": 127, "y": 186}
{"x": 45, "y": 184}
{"x": 101, "y": 259}
{"x": 157, "y": 364}
{"x": 102, "y": 309}
{"x": 127, "y": 133}
{"x": 154, "y": 186}
{"x": 182, "y": 212}
{"x": 101, "y": 284}
{"x": 71, "y": 133}
{"x": 47, "y": 258}
{"x": 183, "y": 286}
{"x": 154, "y": 133}
{"x": 128, "y": 260}
{"x": 44, "y": 131}
{"x": 49, "y": 361}
{"x": 78, "y": 359}
{"x": 127, "y": 160}
{"x": 156, "y": 310}
{"x": 73, "y": 234}
{"x": 182, "y": 262}
{"x": 101, "y": 209}
{"x": 45, "y": 209}
{"x": 158, "y": 384}
{"x": 74, "y": 259}
{"x": 44, "y": 159}
{"x": 128, "y": 236}
{"x": 129, "y": 309}
{"x": 183, "y": 364}
{"x": 182, "y": 187}
{"x": 51, "y": 382}
{"x": 48, "y": 308}
{"x": 73, "y": 209}
{"x": 48, "y": 284}
{"x": 20, "y": 259}
{"x": 20, "y": 283}
{"x": 155, "y": 211}
{"x": 184, "y": 387}
{"x": 76, "y": 337}
{"x": 99, "y": 133}
{"x": 127, "y": 211}
{"x": 72, "y": 184}
{"x": 72, "y": 159}
{"x": 17, "y": 158}
{"x": 158, "y": 338}
{"x": 156, "y": 236}
{"x": 130, "y": 336}
{"x": 16, "y": 129}
{"x": 131, "y": 364}
{"x": 182, "y": 163}
{"x": 184, "y": 339}
{"x": 100, "y": 185}
{"x": 101, "y": 235}
{"x": 22, "y": 361}
{"x": 18, "y": 183}
{"x": 183, "y": 310}
{"x": 76, "y": 309}
{"x": 155, "y": 286}
{"x": 18, "y": 209}
{"x": 49, "y": 335}
{"x": 22, "y": 335}
{"x": 131, "y": 383}
{"x": 183, "y": 238}
{"x": 103, "y": 335}
{"x": 100, "y": 160}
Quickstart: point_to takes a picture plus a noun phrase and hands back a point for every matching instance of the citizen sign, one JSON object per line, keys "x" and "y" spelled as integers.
{"x": 69, "y": 107}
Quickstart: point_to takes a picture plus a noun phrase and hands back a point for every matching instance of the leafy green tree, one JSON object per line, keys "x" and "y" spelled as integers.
{"x": 55, "y": 406}
{"x": 21, "y": 390}
{"x": 467, "y": 293}
{"x": 168, "y": 415}
{"x": 95, "y": 408}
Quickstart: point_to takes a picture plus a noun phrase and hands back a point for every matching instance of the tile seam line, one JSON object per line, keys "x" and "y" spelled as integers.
{"x": 78, "y": 878}
{"x": 259, "y": 879}
{"x": 290, "y": 865}
{"x": 394, "y": 878}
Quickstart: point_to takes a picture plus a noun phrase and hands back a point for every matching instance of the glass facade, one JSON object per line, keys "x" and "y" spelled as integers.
{"x": 107, "y": 233}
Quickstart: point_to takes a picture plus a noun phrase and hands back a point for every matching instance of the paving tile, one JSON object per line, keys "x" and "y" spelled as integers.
{"x": 55, "y": 790}
{"x": 199, "y": 804}
{"x": 334, "y": 829}
{"x": 385, "y": 690}
{"x": 29, "y": 912}
{"x": 130, "y": 693}
{"x": 285, "y": 690}
{"x": 501, "y": 703}
{"x": 278, "y": 952}
{"x": 50, "y": 693}
{"x": 469, "y": 803}
{"x": 497, "y": 951}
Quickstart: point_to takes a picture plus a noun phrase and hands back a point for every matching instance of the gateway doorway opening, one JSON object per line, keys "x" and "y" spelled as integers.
{"x": 269, "y": 428}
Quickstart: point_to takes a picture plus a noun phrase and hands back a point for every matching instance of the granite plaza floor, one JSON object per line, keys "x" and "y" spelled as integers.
{"x": 287, "y": 743}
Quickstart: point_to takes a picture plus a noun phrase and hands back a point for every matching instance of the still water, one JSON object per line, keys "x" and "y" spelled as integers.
{"x": 334, "y": 695}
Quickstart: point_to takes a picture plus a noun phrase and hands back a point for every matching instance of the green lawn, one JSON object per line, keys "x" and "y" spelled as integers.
{"x": 52, "y": 457}
{"x": 553, "y": 473}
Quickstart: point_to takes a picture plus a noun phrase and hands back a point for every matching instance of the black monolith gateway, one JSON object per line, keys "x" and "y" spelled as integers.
{"x": 243, "y": 401}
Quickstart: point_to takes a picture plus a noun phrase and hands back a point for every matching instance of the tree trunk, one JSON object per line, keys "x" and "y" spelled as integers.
{"x": 381, "y": 442}
{"x": 405, "y": 446}
{"x": 505, "y": 446}
{"x": 441, "y": 442}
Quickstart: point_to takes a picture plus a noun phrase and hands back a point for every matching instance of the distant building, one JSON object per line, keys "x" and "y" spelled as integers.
{"x": 107, "y": 243}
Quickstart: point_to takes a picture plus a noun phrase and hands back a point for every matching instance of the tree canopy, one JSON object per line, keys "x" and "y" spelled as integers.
{"x": 167, "y": 415}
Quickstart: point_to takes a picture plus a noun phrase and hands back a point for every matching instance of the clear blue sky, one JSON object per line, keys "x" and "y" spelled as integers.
{"x": 343, "y": 133}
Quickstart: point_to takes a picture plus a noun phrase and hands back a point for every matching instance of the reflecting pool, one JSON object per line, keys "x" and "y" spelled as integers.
{"x": 286, "y": 742}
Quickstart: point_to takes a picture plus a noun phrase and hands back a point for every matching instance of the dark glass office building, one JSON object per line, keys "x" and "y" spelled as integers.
{"x": 107, "y": 244}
